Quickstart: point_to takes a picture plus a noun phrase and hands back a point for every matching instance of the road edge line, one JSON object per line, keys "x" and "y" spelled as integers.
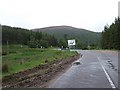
{"x": 107, "y": 75}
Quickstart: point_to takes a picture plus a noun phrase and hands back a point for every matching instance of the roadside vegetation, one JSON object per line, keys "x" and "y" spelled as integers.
{"x": 111, "y": 36}
{"x": 23, "y": 49}
{"x": 20, "y": 57}
{"x": 58, "y": 38}
{"x": 14, "y": 35}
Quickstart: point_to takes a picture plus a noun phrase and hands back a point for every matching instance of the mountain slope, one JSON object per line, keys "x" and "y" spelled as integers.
{"x": 83, "y": 35}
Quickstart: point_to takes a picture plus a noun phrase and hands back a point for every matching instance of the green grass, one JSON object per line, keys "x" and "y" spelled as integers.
{"x": 29, "y": 57}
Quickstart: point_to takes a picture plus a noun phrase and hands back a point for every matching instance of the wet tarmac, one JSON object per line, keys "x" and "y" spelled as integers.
{"x": 96, "y": 69}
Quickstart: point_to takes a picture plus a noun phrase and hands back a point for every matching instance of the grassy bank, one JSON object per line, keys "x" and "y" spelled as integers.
{"x": 19, "y": 58}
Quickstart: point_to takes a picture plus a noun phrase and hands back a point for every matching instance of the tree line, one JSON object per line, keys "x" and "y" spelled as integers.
{"x": 111, "y": 36}
{"x": 13, "y": 35}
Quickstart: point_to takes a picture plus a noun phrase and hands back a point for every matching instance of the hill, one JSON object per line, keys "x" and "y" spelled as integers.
{"x": 15, "y": 35}
{"x": 82, "y": 35}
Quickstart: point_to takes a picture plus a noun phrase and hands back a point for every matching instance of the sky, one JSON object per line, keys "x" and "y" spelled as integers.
{"x": 88, "y": 14}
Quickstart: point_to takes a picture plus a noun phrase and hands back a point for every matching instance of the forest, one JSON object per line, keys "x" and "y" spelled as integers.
{"x": 35, "y": 39}
{"x": 13, "y": 35}
{"x": 111, "y": 36}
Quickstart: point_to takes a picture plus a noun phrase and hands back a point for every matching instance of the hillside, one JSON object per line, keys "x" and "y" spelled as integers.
{"x": 83, "y": 35}
{"x": 15, "y": 35}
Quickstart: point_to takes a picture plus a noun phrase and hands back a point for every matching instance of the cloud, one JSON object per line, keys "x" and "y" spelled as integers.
{"x": 88, "y": 14}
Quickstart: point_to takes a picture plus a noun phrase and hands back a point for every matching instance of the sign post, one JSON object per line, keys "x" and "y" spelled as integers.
{"x": 71, "y": 43}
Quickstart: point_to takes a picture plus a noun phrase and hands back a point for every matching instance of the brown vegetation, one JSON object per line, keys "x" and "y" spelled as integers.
{"x": 37, "y": 76}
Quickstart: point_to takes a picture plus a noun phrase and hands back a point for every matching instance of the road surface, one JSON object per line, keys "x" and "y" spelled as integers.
{"x": 97, "y": 69}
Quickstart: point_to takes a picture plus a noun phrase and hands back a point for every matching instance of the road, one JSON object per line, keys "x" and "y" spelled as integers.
{"x": 97, "y": 69}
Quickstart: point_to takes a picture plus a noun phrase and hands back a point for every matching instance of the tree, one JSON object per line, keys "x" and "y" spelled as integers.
{"x": 23, "y": 36}
{"x": 53, "y": 41}
{"x": 32, "y": 42}
{"x": 111, "y": 36}
{"x": 63, "y": 43}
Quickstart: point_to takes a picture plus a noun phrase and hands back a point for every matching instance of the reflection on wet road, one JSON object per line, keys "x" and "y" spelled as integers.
{"x": 96, "y": 69}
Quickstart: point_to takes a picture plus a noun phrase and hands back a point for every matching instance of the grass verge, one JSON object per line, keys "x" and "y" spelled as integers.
{"x": 19, "y": 58}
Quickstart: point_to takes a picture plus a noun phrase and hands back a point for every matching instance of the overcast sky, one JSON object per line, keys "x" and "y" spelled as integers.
{"x": 87, "y": 14}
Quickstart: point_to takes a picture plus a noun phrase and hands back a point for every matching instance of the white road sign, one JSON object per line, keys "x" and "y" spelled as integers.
{"x": 71, "y": 42}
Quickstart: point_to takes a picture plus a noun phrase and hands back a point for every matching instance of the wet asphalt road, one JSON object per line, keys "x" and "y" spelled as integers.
{"x": 97, "y": 69}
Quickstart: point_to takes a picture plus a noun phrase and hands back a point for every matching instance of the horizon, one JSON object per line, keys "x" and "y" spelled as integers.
{"x": 39, "y": 14}
{"x": 50, "y": 27}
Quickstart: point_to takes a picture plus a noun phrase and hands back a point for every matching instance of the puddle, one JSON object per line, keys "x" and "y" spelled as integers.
{"x": 111, "y": 65}
{"x": 116, "y": 69}
{"x": 109, "y": 61}
{"x": 76, "y": 63}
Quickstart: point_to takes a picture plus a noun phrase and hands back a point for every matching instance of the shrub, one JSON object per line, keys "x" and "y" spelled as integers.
{"x": 46, "y": 61}
{"x": 4, "y": 52}
{"x": 5, "y": 67}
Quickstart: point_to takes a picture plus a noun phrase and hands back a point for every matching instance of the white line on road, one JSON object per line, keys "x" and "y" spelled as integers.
{"x": 108, "y": 77}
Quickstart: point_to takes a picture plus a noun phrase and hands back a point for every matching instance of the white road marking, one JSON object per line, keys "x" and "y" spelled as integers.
{"x": 108, "y": 77}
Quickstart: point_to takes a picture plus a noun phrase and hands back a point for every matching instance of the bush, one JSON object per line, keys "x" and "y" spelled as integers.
{"x": 58, "y": 52}
{"x": 4, "y": 53}
{"x": 5, "y": 67}
{"x": 46, "y": 61}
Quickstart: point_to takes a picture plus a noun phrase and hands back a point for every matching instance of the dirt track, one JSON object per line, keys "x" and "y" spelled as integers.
{"x": 38, "y": 76}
